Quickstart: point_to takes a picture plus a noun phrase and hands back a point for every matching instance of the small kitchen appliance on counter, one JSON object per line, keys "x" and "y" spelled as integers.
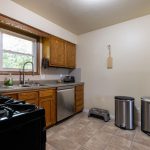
{"x": 22, "y": 125}
{"x": 124, "y": 112}
{"x": 99, "y": 113}
{"x": 145, "y": 115}
{"x": 69, "y": 79}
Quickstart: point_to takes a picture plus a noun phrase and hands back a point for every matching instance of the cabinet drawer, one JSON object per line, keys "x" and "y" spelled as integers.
{"x": 13, "y": 95}
{"x": 79, "y": 88}
{"x": 47, "y": 93}
{"x": 28, "y": 95}
{"x": 32, "y": 101}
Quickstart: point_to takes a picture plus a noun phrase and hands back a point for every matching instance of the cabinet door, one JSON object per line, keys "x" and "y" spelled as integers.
{"x": 57, "y": 52}
{"x": 53, "y": 110}
{"x": 70, "y": 55}
{"x": 29, "y": 97}
{"x": 79, "y": 98}
{"x": 46, "y": 104}
{"x": 46, "y": 48}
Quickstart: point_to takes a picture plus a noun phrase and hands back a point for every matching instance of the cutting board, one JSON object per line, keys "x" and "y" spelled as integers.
{"x": 109, "y": 59}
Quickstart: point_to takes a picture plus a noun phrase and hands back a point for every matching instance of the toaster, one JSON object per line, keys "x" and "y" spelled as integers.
{"x": 69, "y": 79}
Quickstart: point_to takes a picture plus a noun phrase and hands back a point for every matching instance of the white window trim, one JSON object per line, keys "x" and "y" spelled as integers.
{"x": 34, "y": 55}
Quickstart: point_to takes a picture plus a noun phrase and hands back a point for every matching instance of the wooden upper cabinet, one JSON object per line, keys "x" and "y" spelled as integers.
{"x": 70, "y": 55}
{"x": 46, "y": 48}
{"x": 59, "y": 52}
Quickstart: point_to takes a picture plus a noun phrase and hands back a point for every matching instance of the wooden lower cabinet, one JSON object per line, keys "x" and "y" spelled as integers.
{"x": 79, "y": 98}
{"x": 29, "y": 97}
{"x": 13, "y": 95}
{"x": 47, "y": 100}
{"x": 46, "y": 104}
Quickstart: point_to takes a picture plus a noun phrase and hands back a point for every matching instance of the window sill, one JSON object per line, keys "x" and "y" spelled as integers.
{"x": 17, "y": 73}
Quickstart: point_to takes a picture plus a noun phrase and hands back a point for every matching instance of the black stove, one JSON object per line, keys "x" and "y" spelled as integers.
{"x": 22, "y": 125}
{"x": 10, "y": 107}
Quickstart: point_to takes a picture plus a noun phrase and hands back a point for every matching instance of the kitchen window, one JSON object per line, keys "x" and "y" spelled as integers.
{"x": 15, "y": 50}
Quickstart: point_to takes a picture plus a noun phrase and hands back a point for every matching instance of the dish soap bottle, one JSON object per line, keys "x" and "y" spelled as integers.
{"x": 8, "y": 81}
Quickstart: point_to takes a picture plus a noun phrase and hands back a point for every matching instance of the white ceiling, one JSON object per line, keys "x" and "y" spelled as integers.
{"x": 81, "y": 16}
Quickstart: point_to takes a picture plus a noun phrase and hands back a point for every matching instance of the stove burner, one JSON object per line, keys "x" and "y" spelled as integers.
{"x": 10, "y": 107}
{"x": 22, "y": 107}
{"x": 3, "y": 113}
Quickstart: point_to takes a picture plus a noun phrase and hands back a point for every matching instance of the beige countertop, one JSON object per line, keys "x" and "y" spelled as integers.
{"x": 15, "y": 88}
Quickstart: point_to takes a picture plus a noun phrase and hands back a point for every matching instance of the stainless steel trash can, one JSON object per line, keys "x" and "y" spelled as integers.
{"x": 145, "y": 114}
{"x": 124, "y": 112}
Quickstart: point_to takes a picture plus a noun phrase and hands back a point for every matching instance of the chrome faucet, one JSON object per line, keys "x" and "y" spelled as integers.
{"x": 23, "y": 72}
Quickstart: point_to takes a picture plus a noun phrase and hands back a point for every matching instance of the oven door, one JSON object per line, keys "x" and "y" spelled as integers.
{"x": 24, "y": 132}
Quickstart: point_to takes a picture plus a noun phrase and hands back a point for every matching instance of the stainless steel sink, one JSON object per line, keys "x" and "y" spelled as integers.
{"x": 33, "y": 85}
{"x": 25, "y": 85}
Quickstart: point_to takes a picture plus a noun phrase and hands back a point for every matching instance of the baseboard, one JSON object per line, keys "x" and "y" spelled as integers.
{"x": 86, "y": 110}
{"x": 112, "y": 117}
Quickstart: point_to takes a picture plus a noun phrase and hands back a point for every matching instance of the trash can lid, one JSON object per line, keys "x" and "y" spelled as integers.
{"x": 147, "y": 99}
{"x": 124, "y": 98}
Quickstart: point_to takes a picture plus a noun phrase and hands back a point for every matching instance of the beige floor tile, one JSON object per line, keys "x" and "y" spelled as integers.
{"x": 94, "y": 145}
{"x": 137, "y": 146}
{"x": 110, "y": 123}
{"x": 96, "y": 124}
{"x": 87, "y": 133}
{"x": 85, "y": 148}
{"x": 49, "y": 147}
{"x": 109, "y": 129}
{"x": 98, "y": 141}
{"x": 112, "y": 147}
{"x": 56, "y": 129}
{"x": 83, "y": 135}
{"x": 142, "y": 138}
{"x": 62, "y": 143}
{"x": 120, "y": 142}
{"x": 128, "y": 134}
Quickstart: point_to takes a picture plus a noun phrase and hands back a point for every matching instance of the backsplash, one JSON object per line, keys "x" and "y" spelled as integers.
{"x": 49, "y": 74}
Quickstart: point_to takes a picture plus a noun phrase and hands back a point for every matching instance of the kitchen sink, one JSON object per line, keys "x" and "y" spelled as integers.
{"x": 25, "y": 85}
{"x": 33, "y": 85}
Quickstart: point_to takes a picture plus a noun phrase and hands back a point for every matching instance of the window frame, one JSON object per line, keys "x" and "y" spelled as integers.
{"x": 27, "y": 36}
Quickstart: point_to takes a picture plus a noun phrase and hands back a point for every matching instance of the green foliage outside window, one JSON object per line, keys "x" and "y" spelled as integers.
{"x": 15, "y": 61}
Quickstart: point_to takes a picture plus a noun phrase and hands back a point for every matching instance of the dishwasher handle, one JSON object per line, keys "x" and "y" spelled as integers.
{"x": 65, "y": 90}
{"x": 65, "y": 87}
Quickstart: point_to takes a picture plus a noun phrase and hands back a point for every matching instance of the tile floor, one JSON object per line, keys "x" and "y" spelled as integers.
{"x": 83, "y": 133}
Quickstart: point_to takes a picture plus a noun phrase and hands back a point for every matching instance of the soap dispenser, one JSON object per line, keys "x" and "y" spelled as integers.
{"x": 8, "y": 81}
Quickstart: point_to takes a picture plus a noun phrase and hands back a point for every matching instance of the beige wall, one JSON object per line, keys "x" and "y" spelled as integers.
{"x": 130, "y": 76}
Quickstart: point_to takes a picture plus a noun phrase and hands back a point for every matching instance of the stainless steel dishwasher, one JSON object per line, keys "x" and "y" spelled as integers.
{"x": 65, "y": 102}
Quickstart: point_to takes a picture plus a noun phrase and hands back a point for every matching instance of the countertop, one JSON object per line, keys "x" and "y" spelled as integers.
{"x": 15, "y": 88}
